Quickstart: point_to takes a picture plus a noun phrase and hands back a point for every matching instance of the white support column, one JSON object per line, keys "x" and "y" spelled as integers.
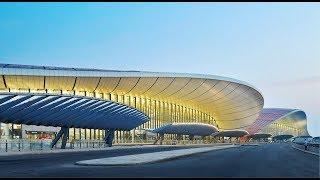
{"x": 132, "y": 135}
{"x": 6, "y": 131}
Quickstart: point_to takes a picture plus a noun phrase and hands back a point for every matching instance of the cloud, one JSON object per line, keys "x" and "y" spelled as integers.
{"x": 300, "y": 81}
{"x": 301, "y": 94}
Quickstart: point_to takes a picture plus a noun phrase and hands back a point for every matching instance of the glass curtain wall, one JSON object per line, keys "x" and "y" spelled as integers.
{"x": 280, "y": 129}
{"x": 160, "y": 112}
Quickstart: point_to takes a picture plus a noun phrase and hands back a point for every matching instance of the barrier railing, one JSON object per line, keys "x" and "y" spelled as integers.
{"x": 313, "y": 147}
{"x": 24, "y": 145}
{"x": 44, "y": 145}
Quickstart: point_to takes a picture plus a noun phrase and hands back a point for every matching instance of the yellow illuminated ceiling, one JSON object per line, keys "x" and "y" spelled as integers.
{"x": 234, "y": 104}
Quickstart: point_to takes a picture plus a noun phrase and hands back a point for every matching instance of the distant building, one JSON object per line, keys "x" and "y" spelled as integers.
{"x": 279, "y": 121}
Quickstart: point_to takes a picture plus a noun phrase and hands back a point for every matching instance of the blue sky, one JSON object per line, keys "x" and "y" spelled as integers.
{"x": 273, "y": 46}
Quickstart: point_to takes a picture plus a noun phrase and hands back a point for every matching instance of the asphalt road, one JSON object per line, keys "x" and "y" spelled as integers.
{"x": 267, "y": 160}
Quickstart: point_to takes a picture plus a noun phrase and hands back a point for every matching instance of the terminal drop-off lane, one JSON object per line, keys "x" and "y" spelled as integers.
{"x": 266, "y": 160}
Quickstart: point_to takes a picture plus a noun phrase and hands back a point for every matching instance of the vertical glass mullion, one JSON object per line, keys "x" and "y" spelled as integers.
{"x": 150, "y": 112}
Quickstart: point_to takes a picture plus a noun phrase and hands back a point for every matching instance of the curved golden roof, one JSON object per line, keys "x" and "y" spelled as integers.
{"x": 234, "y": 104}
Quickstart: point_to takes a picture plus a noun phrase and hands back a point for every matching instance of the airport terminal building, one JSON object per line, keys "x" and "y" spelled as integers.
{"x": 280, "y": 121}
{"x": 37, "y": 101}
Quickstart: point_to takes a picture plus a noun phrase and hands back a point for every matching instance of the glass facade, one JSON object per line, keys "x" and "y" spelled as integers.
{"x": 282, "y": 129}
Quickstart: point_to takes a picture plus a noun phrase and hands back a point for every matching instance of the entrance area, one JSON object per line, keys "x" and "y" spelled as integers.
{"x": 40, "y": 135}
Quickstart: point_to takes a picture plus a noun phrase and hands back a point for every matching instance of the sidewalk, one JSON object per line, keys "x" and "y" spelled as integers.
{"x": 116, "y": 146}
{"x": 149, "y": 157}
{"x": 317, "y": 151}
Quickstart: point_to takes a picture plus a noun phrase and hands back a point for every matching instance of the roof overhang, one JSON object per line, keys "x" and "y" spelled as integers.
{"x": 196, "y": 129}
{"x": 282, "y": 137}
{"x": 68, "y": 111}
{"x": 231, "y": 133}
{"x": 259, "y": 136}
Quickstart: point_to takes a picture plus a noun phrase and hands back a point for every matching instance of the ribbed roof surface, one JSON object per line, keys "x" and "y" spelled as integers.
{"x": 197, "y": 129}
{"x": 68, "y": 111}
{"x": 231, "y": 133}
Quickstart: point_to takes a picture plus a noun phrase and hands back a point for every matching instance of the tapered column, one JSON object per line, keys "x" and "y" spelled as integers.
{"x": 161, "y": 138}
{"x": 203, "y": 138}
{"x": 7, "y": 131}
{"x": 65, "y": 137}
{"x": 191, "y": 137}
{"x": 65, "y": 132}
{"x": 109, "y": 136}
{"x": 132, "y": 136}
{"x": 157, "y": 139}
{"x": 179, "y": 137}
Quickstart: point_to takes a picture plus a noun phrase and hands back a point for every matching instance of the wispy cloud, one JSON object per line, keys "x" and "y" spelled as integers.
{"x": 313, "y": 80}
{"x": 300, "y": 93}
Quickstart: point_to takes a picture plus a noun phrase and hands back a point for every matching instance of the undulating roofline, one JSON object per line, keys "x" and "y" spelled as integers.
{"x": 93, "y": 72}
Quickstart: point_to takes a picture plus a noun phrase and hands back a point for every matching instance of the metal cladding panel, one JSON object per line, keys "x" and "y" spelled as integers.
{"x": 231, "y": 108}
{"x": 86, "y": 84}
{"x": 244, "y": 112}
{"x": 205, "y": 87}
{"x": 25, "y": 82}
{"x": 198, "y": 129}
{"x": 258, "y": 136}
{"x": 67, "y": 111}
{"x": 2, "y": 83}
{"x": 282, "y": 137}
{"x": 160, "y": 85}
{"x": 232, "y": 103}
{"x": 231, "y": 133}
{"x": 212, "y": 92}
{"x": 223, "y": 93}
{"x": 232, "y": 95}
{"x": 177, "y": 85}
{"x": 108, "y": 85}
{"x": 240, "y": 103}
{"x": 59, "y": 82}
{"x": 143, "y": 85}
{"x": 126, "y": 85}
{"x": 192, "y": 86}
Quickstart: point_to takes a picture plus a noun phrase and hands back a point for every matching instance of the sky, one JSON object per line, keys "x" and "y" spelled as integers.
{"x": 273, "y": 46}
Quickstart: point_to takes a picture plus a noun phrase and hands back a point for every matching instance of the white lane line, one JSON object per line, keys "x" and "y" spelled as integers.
{"x": 148, "y": 157}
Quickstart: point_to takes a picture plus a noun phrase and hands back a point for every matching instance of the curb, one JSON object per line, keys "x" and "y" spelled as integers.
{"x": 17, "y": 153}
{"x": 250, "y": 145}
{"x": 80, "y": 163}
{"x": 305, "y": 151}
